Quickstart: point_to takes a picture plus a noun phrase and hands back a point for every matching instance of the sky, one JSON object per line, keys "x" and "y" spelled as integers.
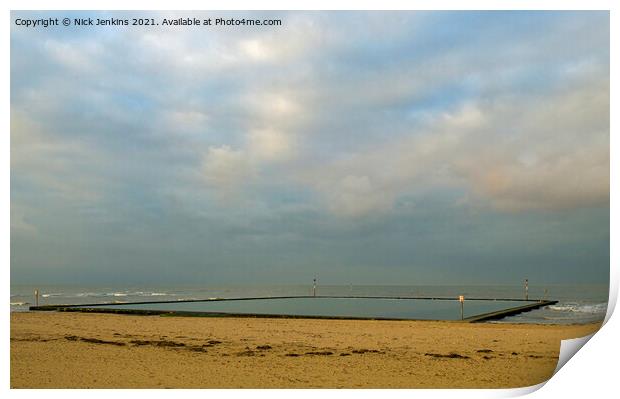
{"x": 363, "y": 147}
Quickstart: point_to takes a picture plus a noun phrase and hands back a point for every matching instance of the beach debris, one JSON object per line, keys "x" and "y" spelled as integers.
{"x": 320, "y": 353}
{"x": 263, "y": 347}
{"x": 139, "y": 342}
{"x": 345, "y": 354}
{"x": 362, "y": 351}
{"x": 451, "y": 355}
{"x": 292, "y": 354}
{"x": 247, "y": 352}
{"x": 169, "y": 344}
{"x": 163, "y": 343}
{"x": 196, "y": 349}
{"x": 101, "y": 341}
{"x": 93, "y": 340}
{"x": 484, "y": 351}
{"x": 485, "y": 357}
{"x": 515, "y": 353}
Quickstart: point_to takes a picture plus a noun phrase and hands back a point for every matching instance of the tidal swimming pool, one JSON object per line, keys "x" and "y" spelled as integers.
{"x": 375, "y": 308}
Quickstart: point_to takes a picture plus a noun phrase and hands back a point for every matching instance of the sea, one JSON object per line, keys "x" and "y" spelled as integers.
{"x": 576, "y": 303}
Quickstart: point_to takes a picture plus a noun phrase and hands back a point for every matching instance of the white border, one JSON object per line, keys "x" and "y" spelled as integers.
{"x": 591, "y": 373}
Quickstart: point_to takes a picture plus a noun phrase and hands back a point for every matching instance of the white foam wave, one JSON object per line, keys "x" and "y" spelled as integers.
{"x": 580, "y": 308}
{"x": 52, "y": 295}
{"x": 19, "y": 303}
{"x": 105, "y": 294}
{"x": 138, "y": 293}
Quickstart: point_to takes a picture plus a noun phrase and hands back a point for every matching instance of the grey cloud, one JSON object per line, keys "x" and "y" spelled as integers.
{"x": 336, "y": 140}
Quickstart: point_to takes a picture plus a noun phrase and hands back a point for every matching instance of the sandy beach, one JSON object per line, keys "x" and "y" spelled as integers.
{"x": 75, "y": 350}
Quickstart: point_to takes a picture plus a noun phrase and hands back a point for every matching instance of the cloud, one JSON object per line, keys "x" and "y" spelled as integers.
{"x": 20, "y": 224}
{"x": 515, "y": 153}
{"x": 415, "y": 118}
{"x": 230, "y": 170}
{"x": 75, "y": 56}
{"x": 226, "y": 168}
{"x": 270, "y": 145}
{"x": 552, "y": 154}
{"x": 356, "y": 195}
{"x": 267, "y": 138}
{"x": 187, "y": 121}
{"x": 51, "y": 165}
{"x": 309, "y": 138}
{"x": 256, "y": 49}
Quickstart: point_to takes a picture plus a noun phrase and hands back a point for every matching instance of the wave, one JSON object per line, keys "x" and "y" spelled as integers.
{"x": 580, "y": 308}
{"x": 87, "y": 294}
{"x": 52, "y": 295}
{"x": 19, "y": 303}
{"x": 136, "y": 293}
{"x": 105, "y": 294}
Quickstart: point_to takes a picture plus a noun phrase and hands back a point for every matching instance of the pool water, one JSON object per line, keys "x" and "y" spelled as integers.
{"x": 421, "y": 309}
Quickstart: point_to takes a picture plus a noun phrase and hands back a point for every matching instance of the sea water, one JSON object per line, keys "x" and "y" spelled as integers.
{"x": 577, "y": 303}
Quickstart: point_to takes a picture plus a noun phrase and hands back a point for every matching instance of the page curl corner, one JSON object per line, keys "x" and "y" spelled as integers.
{"x": 568, "y": 349}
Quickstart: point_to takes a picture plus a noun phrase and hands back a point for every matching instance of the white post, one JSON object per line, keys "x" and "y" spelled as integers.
{"x": 36, "y": 297}
{"x": 526, "y": 289}
{"x": 462, "y": 301}
{"x": 314, "y": 287}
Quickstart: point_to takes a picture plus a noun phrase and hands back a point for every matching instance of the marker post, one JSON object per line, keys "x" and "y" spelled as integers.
{"x": 526, "y": 290}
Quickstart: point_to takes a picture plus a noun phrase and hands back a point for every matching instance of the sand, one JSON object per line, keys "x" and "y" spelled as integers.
{"x": 76, "y": 350}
